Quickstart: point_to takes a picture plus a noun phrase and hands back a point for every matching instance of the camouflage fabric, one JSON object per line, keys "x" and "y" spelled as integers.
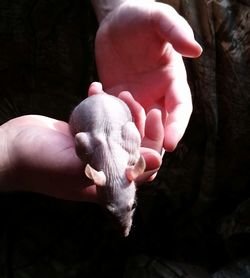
{"x": 194, "y": 219}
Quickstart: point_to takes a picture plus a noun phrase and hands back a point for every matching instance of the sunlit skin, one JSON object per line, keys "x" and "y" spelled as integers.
{"x": 41, "y": 158}
{"x": 139, "y": 48}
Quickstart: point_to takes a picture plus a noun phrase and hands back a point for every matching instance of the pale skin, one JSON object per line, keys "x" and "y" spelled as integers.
{"x": 37, "y": 152}
{"x": 39, "y": 156}
{"x": 145, "y": 41}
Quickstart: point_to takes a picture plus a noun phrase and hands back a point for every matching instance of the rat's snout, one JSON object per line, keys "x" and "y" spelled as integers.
{"x": 126, "y": 231}
{"x": 121, "y": 225}
{"x": 125, "y": 228}
{"x": 122, "y": 229}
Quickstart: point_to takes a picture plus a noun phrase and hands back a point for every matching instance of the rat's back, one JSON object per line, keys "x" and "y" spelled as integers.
{"x": 100, "y": 112}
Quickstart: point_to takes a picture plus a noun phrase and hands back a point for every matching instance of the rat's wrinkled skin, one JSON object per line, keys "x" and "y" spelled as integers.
{"x": 108, "y": 142}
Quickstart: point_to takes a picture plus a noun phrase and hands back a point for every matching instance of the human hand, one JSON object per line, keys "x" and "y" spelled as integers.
{"x": 42, "y": 159}
{"x": 139, "y": 48}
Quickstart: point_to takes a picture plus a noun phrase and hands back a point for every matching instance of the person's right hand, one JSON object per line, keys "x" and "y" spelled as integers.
{"x": 41, "y": 158}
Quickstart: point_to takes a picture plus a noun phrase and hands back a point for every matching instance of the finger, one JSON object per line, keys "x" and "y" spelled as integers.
{"x": 136, "y": 109}
{"x": 95, "y": 88}
{"x": 146, "y": 177}
{"x": 89, "y": 194}
{"x": 178, "y": 103}
{"x": 152, "y": 143}
{"x": 153, "y": 162}
{"x": 152, "y": 159}
{"x": 174, "y": 28}
{"x": 154, "y": 131}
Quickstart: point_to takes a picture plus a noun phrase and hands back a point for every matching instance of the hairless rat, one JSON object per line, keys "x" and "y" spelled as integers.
{"x": 108, "y": 142}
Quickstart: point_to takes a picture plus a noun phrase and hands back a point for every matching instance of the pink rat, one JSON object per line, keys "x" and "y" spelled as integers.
{"x": 108, "y": 142}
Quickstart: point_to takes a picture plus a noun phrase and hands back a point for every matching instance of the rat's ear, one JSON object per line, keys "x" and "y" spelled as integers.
{"x": 132, "y": 172}
{"x": 98, "y": 177}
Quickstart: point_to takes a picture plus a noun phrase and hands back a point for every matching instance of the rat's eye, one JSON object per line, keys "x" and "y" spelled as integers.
{"x": 110, "y": 208}
{"x": 133, "y": 206}
{"x": 130, "y": 208}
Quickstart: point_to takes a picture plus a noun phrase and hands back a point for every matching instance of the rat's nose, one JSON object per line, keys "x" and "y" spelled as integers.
{"x": 126, "y": 231}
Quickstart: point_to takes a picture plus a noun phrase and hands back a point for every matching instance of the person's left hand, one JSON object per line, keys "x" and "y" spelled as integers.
{"x": 139, "y": 48}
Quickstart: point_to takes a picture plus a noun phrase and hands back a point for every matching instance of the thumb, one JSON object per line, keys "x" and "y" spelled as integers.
{"x": 174, "y": 29}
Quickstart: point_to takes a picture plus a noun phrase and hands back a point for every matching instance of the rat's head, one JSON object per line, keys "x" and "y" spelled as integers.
{"x": 117, "y": 196}
{"x": 122, "y": 211}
